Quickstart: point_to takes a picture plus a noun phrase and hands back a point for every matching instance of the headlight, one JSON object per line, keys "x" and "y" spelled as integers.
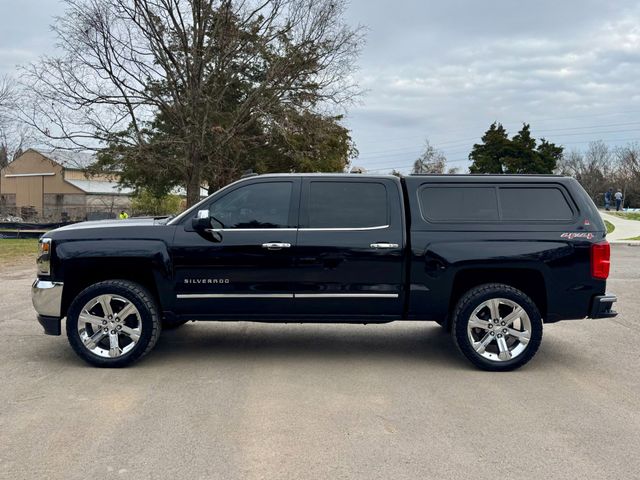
{"x": 44, "y": 256}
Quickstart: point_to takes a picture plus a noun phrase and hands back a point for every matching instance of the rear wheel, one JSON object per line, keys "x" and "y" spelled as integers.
{"x": 113, "y": 323}
{"x": 497, "y": 327}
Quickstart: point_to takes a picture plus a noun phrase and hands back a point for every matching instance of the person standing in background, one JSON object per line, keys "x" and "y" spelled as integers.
{"x": 123, "y": 215}
{"x": 618, "y": 200}
{"x": 607, "y": 199}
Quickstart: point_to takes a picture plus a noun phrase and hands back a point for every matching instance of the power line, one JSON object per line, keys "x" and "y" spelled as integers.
{"x": 398, "y": 167}
{"x": 588, "y": 126}
{"x": 412, "y": 150}
{"x": 543, "y": 120}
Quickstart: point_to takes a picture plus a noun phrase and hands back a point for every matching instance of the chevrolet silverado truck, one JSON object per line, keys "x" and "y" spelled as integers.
{"x": 490, "y": 258}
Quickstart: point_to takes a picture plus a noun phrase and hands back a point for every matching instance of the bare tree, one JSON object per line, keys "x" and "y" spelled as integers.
{"x": 14, "y": 135}
{"x": 595, "y": 169}
{"x": 627, "y": 175}
{"x": 431, "y": 160}
{"x": 131, "y": 66}
{"x": 7, "y": 97}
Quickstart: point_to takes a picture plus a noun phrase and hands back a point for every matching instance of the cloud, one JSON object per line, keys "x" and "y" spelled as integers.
{"x": 11, "y": 57}
{"x": 446, "y": 71}
{"x": 25, "y": 32}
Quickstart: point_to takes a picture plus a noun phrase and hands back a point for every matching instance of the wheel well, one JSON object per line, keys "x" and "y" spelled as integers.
{"x": 529, "y": 281}
{"x": 79, "y": 275}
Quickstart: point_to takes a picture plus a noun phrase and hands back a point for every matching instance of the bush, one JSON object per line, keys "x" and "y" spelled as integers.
{"x": 144, "y": 203}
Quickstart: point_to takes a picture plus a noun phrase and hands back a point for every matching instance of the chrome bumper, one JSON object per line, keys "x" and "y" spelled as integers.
{"x": 47, "y": 298}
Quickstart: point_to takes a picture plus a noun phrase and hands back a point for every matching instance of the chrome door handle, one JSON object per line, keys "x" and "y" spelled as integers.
{"x": 384, "y": 245}
{"x": 276, "y": 245}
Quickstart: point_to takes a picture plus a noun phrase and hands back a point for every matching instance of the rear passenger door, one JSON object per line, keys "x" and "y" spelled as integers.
{"x": 350, "y": 248}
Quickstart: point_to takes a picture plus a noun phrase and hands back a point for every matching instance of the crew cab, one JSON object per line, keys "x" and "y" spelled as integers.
{"x": 490, "y": 258}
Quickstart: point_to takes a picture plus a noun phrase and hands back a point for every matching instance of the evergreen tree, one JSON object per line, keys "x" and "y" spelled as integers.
{"x": 488, "y": 156}
{"x": 521, "y": 154}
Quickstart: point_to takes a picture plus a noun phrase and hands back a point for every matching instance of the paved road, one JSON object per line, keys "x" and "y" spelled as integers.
{"x": 254, "y": 401}
{"x": 624, "y": 230}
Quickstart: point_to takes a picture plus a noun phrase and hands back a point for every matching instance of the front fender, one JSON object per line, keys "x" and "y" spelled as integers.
{"x": 79, "y": 263}
{"x": 85, "y": 250}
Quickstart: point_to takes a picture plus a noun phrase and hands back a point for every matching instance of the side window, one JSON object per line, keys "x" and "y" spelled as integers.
{"x": 259, "y": 205}
{"x": 347, "y": 205}
{"x": 546, "y": 203}
{"x": 450, "y": 203}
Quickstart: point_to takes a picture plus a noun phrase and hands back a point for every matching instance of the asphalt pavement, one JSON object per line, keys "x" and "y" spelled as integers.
{"x": 262, "y": 401}
{"x": 625, "y": 229}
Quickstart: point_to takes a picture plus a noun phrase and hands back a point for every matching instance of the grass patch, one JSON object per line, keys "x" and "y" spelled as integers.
{"x": 626, "y": 215}
{"x": 18, "y": 248}
{"x": 633, "y": 238}
{"x": 610, "y": 226}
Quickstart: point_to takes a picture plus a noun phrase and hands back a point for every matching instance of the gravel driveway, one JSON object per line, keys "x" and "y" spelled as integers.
{"x": 241, "y": 400}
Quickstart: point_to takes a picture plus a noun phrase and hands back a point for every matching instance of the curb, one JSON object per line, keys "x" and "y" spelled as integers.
{"x": 630, "y": 243}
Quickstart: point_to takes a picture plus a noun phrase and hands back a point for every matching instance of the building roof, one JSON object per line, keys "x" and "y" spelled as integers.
{"x": 100, "y": 187}
{"x": 72, "y": 160}
{"x": 182, "y": 192}
{"x": 69, "y": 159}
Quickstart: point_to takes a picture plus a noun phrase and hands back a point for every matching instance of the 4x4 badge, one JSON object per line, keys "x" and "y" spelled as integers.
{"x": 572, "y": 235}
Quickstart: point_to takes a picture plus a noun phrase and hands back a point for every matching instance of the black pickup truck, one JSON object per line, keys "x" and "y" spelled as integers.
{"x": 489, "y": 258}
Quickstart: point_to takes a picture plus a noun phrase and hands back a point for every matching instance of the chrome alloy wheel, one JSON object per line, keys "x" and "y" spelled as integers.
{"x": 499, "y": 329}
{"x": 109, "y": 326}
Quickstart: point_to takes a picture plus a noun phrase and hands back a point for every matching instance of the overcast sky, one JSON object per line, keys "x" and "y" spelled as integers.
{"x": 445, "y": 70}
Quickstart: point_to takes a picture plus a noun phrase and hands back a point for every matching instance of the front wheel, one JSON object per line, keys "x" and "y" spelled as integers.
{"x": 113, "y": 323}
{"x": 497, "y": 327}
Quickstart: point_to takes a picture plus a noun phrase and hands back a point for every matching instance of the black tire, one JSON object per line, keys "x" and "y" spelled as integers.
{"x": 172, "y": 323}
{"x": 149, "y": 318}
{"x": 473, "y": 299}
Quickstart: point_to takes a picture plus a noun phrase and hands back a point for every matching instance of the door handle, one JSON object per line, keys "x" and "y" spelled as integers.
{"x": 276, "y": 245}
{"x": 384, "y": 245}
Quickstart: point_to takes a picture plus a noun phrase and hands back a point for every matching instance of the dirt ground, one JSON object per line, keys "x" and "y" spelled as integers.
{"x": 262, "y": 401}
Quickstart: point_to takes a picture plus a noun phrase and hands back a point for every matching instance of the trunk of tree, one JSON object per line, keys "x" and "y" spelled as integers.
{"x": 194, "y": 183}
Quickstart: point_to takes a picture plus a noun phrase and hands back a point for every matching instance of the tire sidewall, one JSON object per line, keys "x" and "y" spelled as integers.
{"x": 470, "y": 301}
{"x": 148, "y": 317}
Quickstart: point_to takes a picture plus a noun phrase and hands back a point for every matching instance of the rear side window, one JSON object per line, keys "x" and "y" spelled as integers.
{"x": 531, "y": 204}
{"x": 347, "y": 205}
{"x": 446, "y": 204}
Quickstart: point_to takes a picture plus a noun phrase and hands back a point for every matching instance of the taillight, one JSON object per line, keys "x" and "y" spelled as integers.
{"x": 600, "y": 260}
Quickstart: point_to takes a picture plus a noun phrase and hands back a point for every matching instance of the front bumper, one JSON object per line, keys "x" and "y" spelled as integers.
{"x": 47, "y": 300}
{"x": 602, "y": 306}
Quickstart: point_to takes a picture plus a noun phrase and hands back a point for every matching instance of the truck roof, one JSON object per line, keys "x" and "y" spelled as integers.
{"x": 489, "y": 178}
{"x": 326, "y": 174}
{"x": 468, "y": 177}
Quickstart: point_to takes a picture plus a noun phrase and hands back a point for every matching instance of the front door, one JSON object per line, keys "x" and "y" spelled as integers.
{"x": 243, "y": 268}
{"x": 350, "y": 249}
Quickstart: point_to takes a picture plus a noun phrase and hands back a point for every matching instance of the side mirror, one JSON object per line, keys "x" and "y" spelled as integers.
{"x": 202, "y": 224}
{"x": 202, "y": 221}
